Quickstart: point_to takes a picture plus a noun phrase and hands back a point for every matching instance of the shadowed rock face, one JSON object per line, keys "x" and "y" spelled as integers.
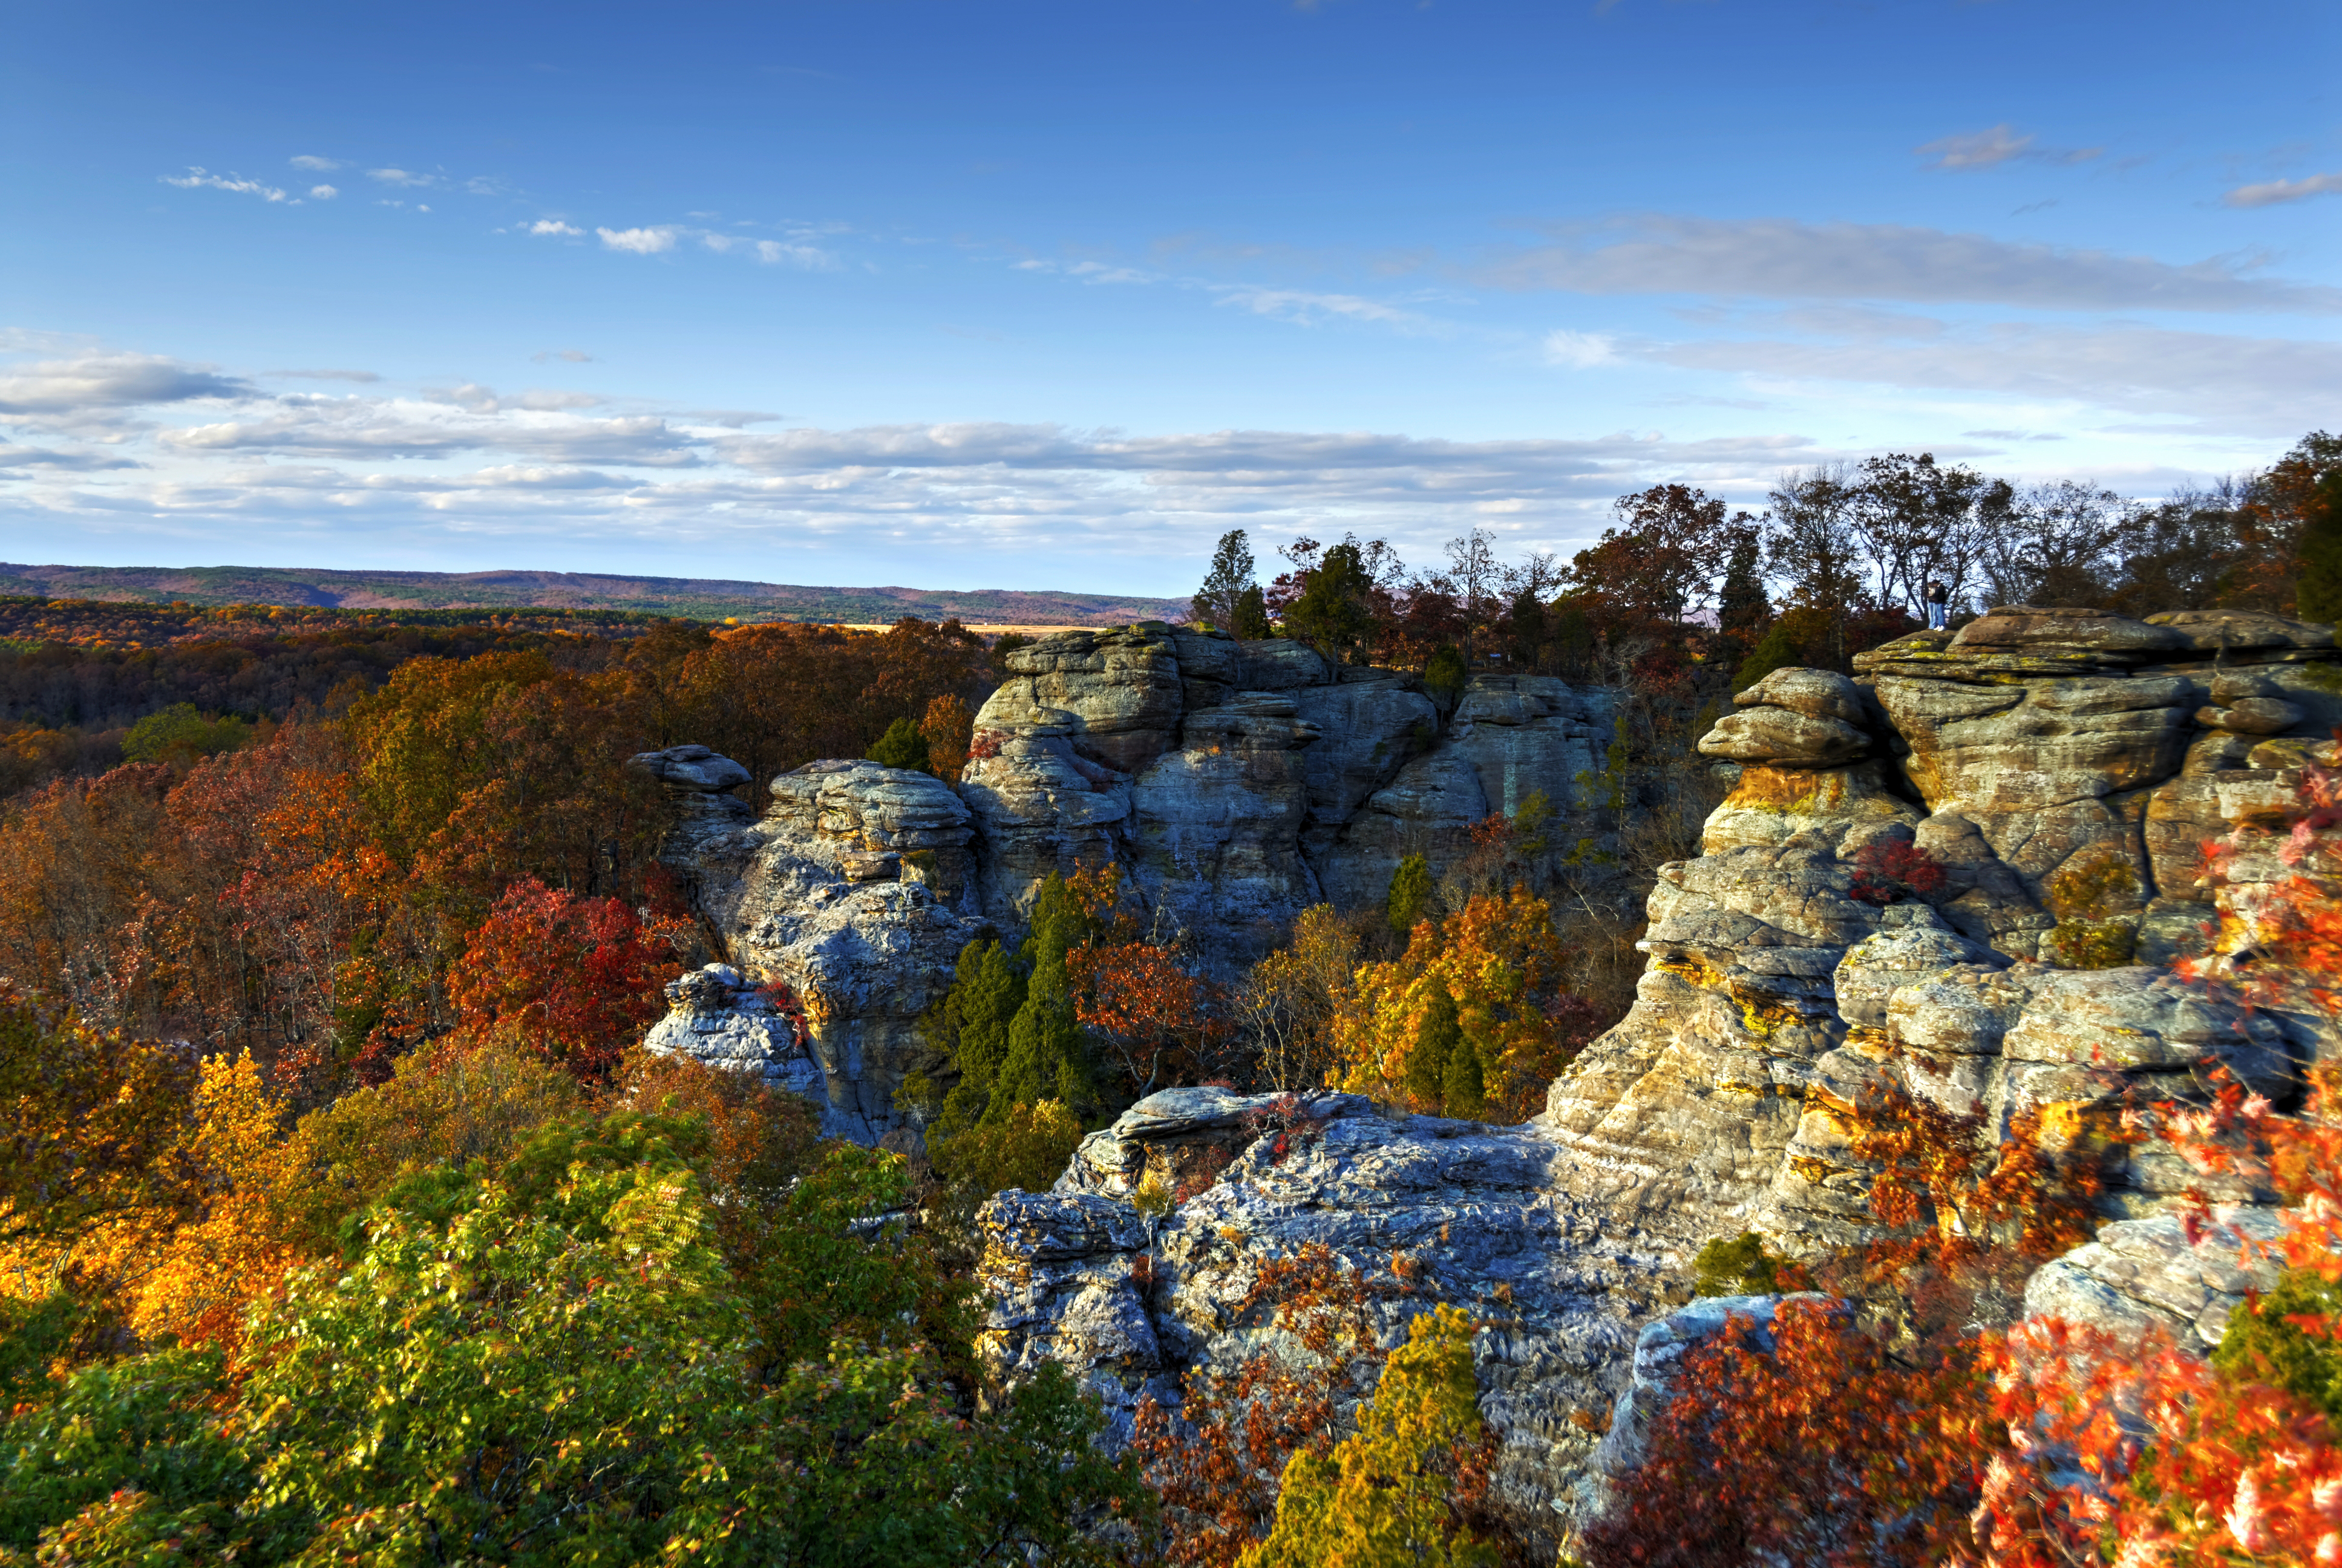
{"x": 2060, "y": 768}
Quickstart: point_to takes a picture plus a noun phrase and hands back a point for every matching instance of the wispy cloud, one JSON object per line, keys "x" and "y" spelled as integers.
{"x": 555, "y": 226}
{"x": 316, "y": 165}
{"x": 1783, "y": 258}
{"x": 198, "y": 178}
{"x": 364, "y": 378}
{"x": 1579, "y": 350}
{"x": 772, "y": 252}
{"x": 324, "y": 192}
{"x": 403, "y": 178}
{"x": 574, "y": 356}
{"x": 2273, "y": 192}
{"x": 1998, "y": 145}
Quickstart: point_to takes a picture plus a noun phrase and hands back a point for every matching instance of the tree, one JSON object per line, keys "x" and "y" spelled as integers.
{"x": 577, "y": 980}
{"x": 1251, "y": 621}
{"x": 2052, "y": 544}
{"x": 1218, "y": 603}
{"x": 1334, "y": 609}
{"x": 1410, "y": 894}
{"x": 1394, "y": 1495}
{"x": 1813, "y": 545}
{"x": 947, "y": 727}
{"x": 1291, "y": 1000}
{"x": 2320, "y": 590}
{"x": 902, "y": 747}
{"x": 1916, "y": 522}
{"x": 1742, "y": 609}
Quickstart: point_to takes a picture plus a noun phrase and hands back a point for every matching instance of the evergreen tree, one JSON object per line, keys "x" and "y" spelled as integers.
{"x": 1251, "y": 622}
{"x": 1463, "y": 1087}
{"x": 1410, "y": 894}
{"x": 1218, "y": 602}
{"x": 971, "y": 1029}
{"x": 1335, "y": 610}
{"x": 1436, "y": 1039}
{"x": 902, "y": 747}
{"x": 1744, "y": 611}
{"x": 1445, "y": 672}
{"x": 1524, "y": 630}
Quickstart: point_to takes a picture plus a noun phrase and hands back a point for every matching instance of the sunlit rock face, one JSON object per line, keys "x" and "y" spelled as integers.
{"x": 1234, "y": 784}
{"x": 2060, "y": 769}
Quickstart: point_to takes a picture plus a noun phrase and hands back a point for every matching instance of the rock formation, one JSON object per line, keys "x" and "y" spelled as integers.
{"x": 2060, "y": 768}
{"x": 1235, "y": 783}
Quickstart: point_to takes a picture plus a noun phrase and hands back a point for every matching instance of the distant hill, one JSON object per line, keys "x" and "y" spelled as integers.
{"x": 698, "y": 598}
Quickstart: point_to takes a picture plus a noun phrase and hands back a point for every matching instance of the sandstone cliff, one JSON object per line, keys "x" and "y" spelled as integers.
{"x": 2061, "y": 767}
{"x": 1235, "y": 783}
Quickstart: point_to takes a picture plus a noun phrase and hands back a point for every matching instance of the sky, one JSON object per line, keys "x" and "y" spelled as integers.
{"x": 1051, "y": 295}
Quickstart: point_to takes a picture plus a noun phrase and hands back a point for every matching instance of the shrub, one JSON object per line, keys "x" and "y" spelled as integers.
{"x": 1888, "y": 869}
{"x": 902, "y": 747}
{"x": 181, "y": 734}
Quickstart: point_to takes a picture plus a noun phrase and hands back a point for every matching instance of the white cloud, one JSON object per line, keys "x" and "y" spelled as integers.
{"x": 641, "y": 242}
{"x": 1307, "y": 308}
{"x": 112, "y": 381}
{"x": 316, "y": 164}
{"x": 574, "y": 356}
{"x": 1580, "y": 350}
{"x": 555, "y": 226}
{"x": 1782, "y": 258}
{"x": 2212, "y": 380}
{"x": 2273, "y": 192}
{"x": 363, "y": 376}
{"x": 196, "y": 178}
{"x": 1999, "y": 145}
{"x": 402, "y": 177}
{"x": 324, "y": 192}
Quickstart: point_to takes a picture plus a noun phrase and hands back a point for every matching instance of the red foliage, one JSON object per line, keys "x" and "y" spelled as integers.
{"x": 576, "y": 979}
{"x": 1888, "y": 869}
{"x": 1167, "y": 1024}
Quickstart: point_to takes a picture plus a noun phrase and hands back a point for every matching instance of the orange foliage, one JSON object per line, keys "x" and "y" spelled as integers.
{"x": 1167, "y": 1024}
{"x": 1501, "y": 963}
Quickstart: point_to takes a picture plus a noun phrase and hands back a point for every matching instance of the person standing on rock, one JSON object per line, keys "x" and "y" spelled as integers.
{"x": 1938, "y": 597}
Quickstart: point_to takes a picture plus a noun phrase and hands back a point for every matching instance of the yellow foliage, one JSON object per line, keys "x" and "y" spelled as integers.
{"x": 202, "y": 1276}
{"x": 1496, "y": 959}
{"x": 1388, "y": 1498}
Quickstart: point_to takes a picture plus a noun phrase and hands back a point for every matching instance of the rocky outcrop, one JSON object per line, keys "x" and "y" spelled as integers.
{"x": 1960, "y": 877}
{"x": 1239, "y": 783}
{"x": 1234, "y": 783}
{"x": 718, "y": 1017}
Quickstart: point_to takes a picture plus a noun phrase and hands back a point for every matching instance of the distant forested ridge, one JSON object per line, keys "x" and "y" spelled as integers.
{"x": 696, "y": 598}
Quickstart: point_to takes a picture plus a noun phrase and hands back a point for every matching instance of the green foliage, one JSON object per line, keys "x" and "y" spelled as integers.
{"x": 1388, "y": 1497}
{"x": 1026, "y": 1149}
{"x": 2318, "y": 589}
{"x": 1446, "y": 673}
{"x": 902, "y": 747}
{"x": 178, "y": 734}
{"x": 149, "y": 1425}
{"x": 1217, "y": 603}
{"x": 2266, "y": 1341}
{"x": 33, "y": 1335}
{"x": 1743, "y": 609}
{"x": 1444, "y": 1071}
{"x": 1334, "y": 610}
{"x": 1251, "y": 618}
{"x": 1410, "y": 894}
{"x": 969, "y": 1028}
{"x": 1739, "y": 1265}
{"x": 576, "y": 1359}
{"x": 1779, "y": 649}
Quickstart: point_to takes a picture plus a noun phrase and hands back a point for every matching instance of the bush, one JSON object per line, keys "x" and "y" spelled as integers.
{"x": 181, "y": 734}
{"x": 1743, "y": 1266}
{"x": 902, "y": 747}
{"x": 1026, "y": 1149}
{"x": 2271, "y": 1341}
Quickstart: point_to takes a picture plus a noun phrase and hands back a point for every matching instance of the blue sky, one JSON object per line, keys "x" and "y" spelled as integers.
{"x": 1050, "y": 295}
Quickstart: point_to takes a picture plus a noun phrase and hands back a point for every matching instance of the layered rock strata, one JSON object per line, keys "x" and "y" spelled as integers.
{"x": 1235, "y": 783}
{"x": 2059, "y": 770}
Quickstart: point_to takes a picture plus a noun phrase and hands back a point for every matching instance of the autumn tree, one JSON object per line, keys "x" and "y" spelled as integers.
{"x": 947, "y": 726}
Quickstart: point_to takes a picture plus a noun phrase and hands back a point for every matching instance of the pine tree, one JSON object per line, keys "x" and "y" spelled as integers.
{"x": 1251, "y": 622}
{"x": 1744, "y": 610}
{"x": 1463, "y": 1087}
{"x": 1410, "y": 894}
{"x": 1218, "y": 602}
{"x": 902, "y": 747}
{"x": 1436, "y": 1039}
{"x": 971, "y": 1029}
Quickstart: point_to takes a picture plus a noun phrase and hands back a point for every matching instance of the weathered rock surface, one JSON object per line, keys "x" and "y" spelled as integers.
{"x": 720, "y": 1018}
{"x": 2053, "y": 763}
